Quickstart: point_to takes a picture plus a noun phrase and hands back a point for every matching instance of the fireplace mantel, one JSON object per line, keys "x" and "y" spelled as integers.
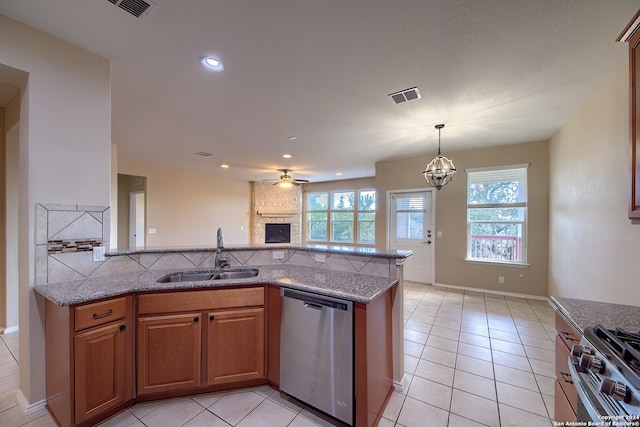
{"x": 277, "y": 214}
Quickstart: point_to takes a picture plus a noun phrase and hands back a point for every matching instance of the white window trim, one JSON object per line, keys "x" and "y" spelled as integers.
{"x": 329, "y": 210}
{"x": 525, "y": 227}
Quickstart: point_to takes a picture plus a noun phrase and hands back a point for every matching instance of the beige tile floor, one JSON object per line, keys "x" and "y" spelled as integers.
{"x": 471, "y": 358}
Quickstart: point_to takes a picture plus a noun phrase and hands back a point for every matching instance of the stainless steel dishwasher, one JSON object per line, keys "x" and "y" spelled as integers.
{"x": 316, "y": 352}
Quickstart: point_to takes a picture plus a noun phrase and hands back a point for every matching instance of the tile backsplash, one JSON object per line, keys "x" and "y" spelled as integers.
{"x": 65, "y": 238}
{"x": 66, "y": 234}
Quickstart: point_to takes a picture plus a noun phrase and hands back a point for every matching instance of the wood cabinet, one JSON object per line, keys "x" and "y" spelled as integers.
{"x": 89, "y": 360}
{"x": 235, "y": 344}
{"x": 169, "y": 352}
{"x": 566, "y": 398}
{"x": 197, "y": 339}
{"x": 631, "y": 34}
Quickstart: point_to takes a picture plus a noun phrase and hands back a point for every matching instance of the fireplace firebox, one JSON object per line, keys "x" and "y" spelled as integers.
{"x": 277, "y": 233}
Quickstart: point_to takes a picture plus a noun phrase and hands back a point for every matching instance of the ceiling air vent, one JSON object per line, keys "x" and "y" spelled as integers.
{"x": 138, "y": 8}
{"x": 405, "y": 95}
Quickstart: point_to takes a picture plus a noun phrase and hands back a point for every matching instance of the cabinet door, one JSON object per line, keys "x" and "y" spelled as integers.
{"x": 235, "y": 345}
{"x": 169, "y": 352}
{"x": 101, "y": 369}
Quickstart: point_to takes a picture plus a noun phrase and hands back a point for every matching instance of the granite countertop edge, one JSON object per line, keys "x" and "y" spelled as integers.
{"x": 583, "y": 314}
{"x": 344, "y": 250}
{"x": 350, "y": 286}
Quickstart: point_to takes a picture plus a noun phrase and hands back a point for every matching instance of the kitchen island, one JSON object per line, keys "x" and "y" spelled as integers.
{"x": 135, "y": 316}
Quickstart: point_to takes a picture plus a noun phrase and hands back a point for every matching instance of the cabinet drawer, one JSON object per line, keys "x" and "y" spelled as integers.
{"x": 568, "y": 334}
{"x": 99, "y": 313}
{"x": 563, "y": 412}
{"x": 563, "y": 374}
{"x": 200, "y": 300}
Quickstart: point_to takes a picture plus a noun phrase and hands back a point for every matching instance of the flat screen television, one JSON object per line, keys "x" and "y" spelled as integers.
{"x": 277, "y": 233}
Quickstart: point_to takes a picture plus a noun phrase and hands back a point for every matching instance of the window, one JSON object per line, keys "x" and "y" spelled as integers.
{"x": 497, "y": 214}
{"x": 346, "y": 217}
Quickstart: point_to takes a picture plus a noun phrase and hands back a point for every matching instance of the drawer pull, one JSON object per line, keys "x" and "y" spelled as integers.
{"x": 564, "y": 376}
{"x": 211, "y": 318}
{"x": 123, "y": 327}
{"x": 196, "y": 319}
{"x": 100, "y": 316}
{"x": 568, "y": 336}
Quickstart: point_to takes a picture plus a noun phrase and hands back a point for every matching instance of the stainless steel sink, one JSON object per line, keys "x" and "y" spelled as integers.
{"x": 195, "y": 276}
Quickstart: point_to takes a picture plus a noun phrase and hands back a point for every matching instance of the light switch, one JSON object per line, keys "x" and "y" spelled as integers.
{"x": 439, "y": 233}
{"x": 152, "y": 231}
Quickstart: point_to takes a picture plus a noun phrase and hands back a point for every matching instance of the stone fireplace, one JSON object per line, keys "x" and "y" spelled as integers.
{"x": 272, "y": 204}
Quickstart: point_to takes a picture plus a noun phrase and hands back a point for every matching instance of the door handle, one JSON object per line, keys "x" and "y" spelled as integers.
{"x": 312, "y": 305}
{"x": 428, "y": 242}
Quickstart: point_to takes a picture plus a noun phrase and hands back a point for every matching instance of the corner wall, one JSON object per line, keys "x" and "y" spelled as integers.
{"x": 65, "y": 137}
{"x": 186, "y": 207}
{"x": 594, "y": 250}
{"x": 451, "y": 216}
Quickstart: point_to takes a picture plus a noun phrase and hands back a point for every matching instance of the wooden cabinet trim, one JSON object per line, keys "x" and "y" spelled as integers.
{"x": 631, "y": 34}
{"x": 204, "y": 300}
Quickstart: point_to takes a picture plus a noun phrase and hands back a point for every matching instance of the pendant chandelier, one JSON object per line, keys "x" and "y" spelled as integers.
{"x": 439, "y": 172}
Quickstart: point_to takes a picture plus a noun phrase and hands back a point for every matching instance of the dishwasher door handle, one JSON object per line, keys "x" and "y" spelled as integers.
{"x": 312, "y": 305}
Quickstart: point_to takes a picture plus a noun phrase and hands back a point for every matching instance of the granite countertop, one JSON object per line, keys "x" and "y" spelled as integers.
{"x": 584, "y": 314}
{"x": 345, "y": 250}
{"x": 350, "y": 286}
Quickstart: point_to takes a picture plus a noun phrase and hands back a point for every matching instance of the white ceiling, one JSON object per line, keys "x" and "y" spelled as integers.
{"x": 494, "y": 71}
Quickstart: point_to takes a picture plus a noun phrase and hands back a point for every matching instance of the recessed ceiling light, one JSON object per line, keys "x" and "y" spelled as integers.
{"x": 338, "y": 173}
{"x": 224, "y": 166}
{"x": 293, "y": 138}
{"x": 212, "y": 63}
{"x": 203, "y": 154}
{"x": 287, "y": 156}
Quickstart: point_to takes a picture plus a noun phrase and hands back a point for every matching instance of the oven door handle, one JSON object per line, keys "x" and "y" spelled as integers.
{"x": 591, "y": 405}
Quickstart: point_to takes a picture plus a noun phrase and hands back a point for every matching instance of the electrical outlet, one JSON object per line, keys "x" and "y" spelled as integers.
{"x": 321, "y": 258}
{"x": 500, "y": 279}
{"x": 152, "y": 231}
{"x": 278, "y": 254}
{"x": 98, "y": 253}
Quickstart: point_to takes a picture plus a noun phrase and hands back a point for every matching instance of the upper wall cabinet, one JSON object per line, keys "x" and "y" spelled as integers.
{"x": 631, "y": 34}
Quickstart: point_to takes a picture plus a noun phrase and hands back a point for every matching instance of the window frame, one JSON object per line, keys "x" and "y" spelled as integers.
{"x": 330, "y": 210}
{"x": 523, "y": 222}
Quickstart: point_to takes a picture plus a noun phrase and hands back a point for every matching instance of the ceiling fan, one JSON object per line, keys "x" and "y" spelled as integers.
{"x": 286, "y": 181}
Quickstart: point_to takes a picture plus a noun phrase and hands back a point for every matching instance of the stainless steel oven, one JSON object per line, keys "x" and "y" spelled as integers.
{"x": 605, "y": 368}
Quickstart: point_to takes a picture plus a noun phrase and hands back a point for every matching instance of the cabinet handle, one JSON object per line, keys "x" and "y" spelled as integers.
{"x": 564, "y": 376}
{"x": 568, "y": 336}
{"x": 211, "y": 317}
{"x": 100, "y": 316}
{"x": 196, "y": 319}
{"x": 123, "y": 327}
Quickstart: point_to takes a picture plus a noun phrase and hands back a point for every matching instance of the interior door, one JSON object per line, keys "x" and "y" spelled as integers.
{"x": 411, "y": 228}
{"x": 136, "y": 219}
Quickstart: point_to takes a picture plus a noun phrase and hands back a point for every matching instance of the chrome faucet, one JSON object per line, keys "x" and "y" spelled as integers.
{"x": 220, "y": 262}
{"x": 220, "y": 240}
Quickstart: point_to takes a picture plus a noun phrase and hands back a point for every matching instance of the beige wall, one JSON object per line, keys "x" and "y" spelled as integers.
{"x": 594, "y": 250}
{"x": 65, "y": 125}
{"x": 186, "y": 208}
{"x": 12, "y": 128}
{"x": 450, "y": 218}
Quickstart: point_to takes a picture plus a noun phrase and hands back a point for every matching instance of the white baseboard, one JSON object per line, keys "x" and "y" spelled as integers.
{"x": 490, "y": 291}
{"x": 402, "y": 385}
{"x": 11, "y": 329}
{"x": 30, "y": 408}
